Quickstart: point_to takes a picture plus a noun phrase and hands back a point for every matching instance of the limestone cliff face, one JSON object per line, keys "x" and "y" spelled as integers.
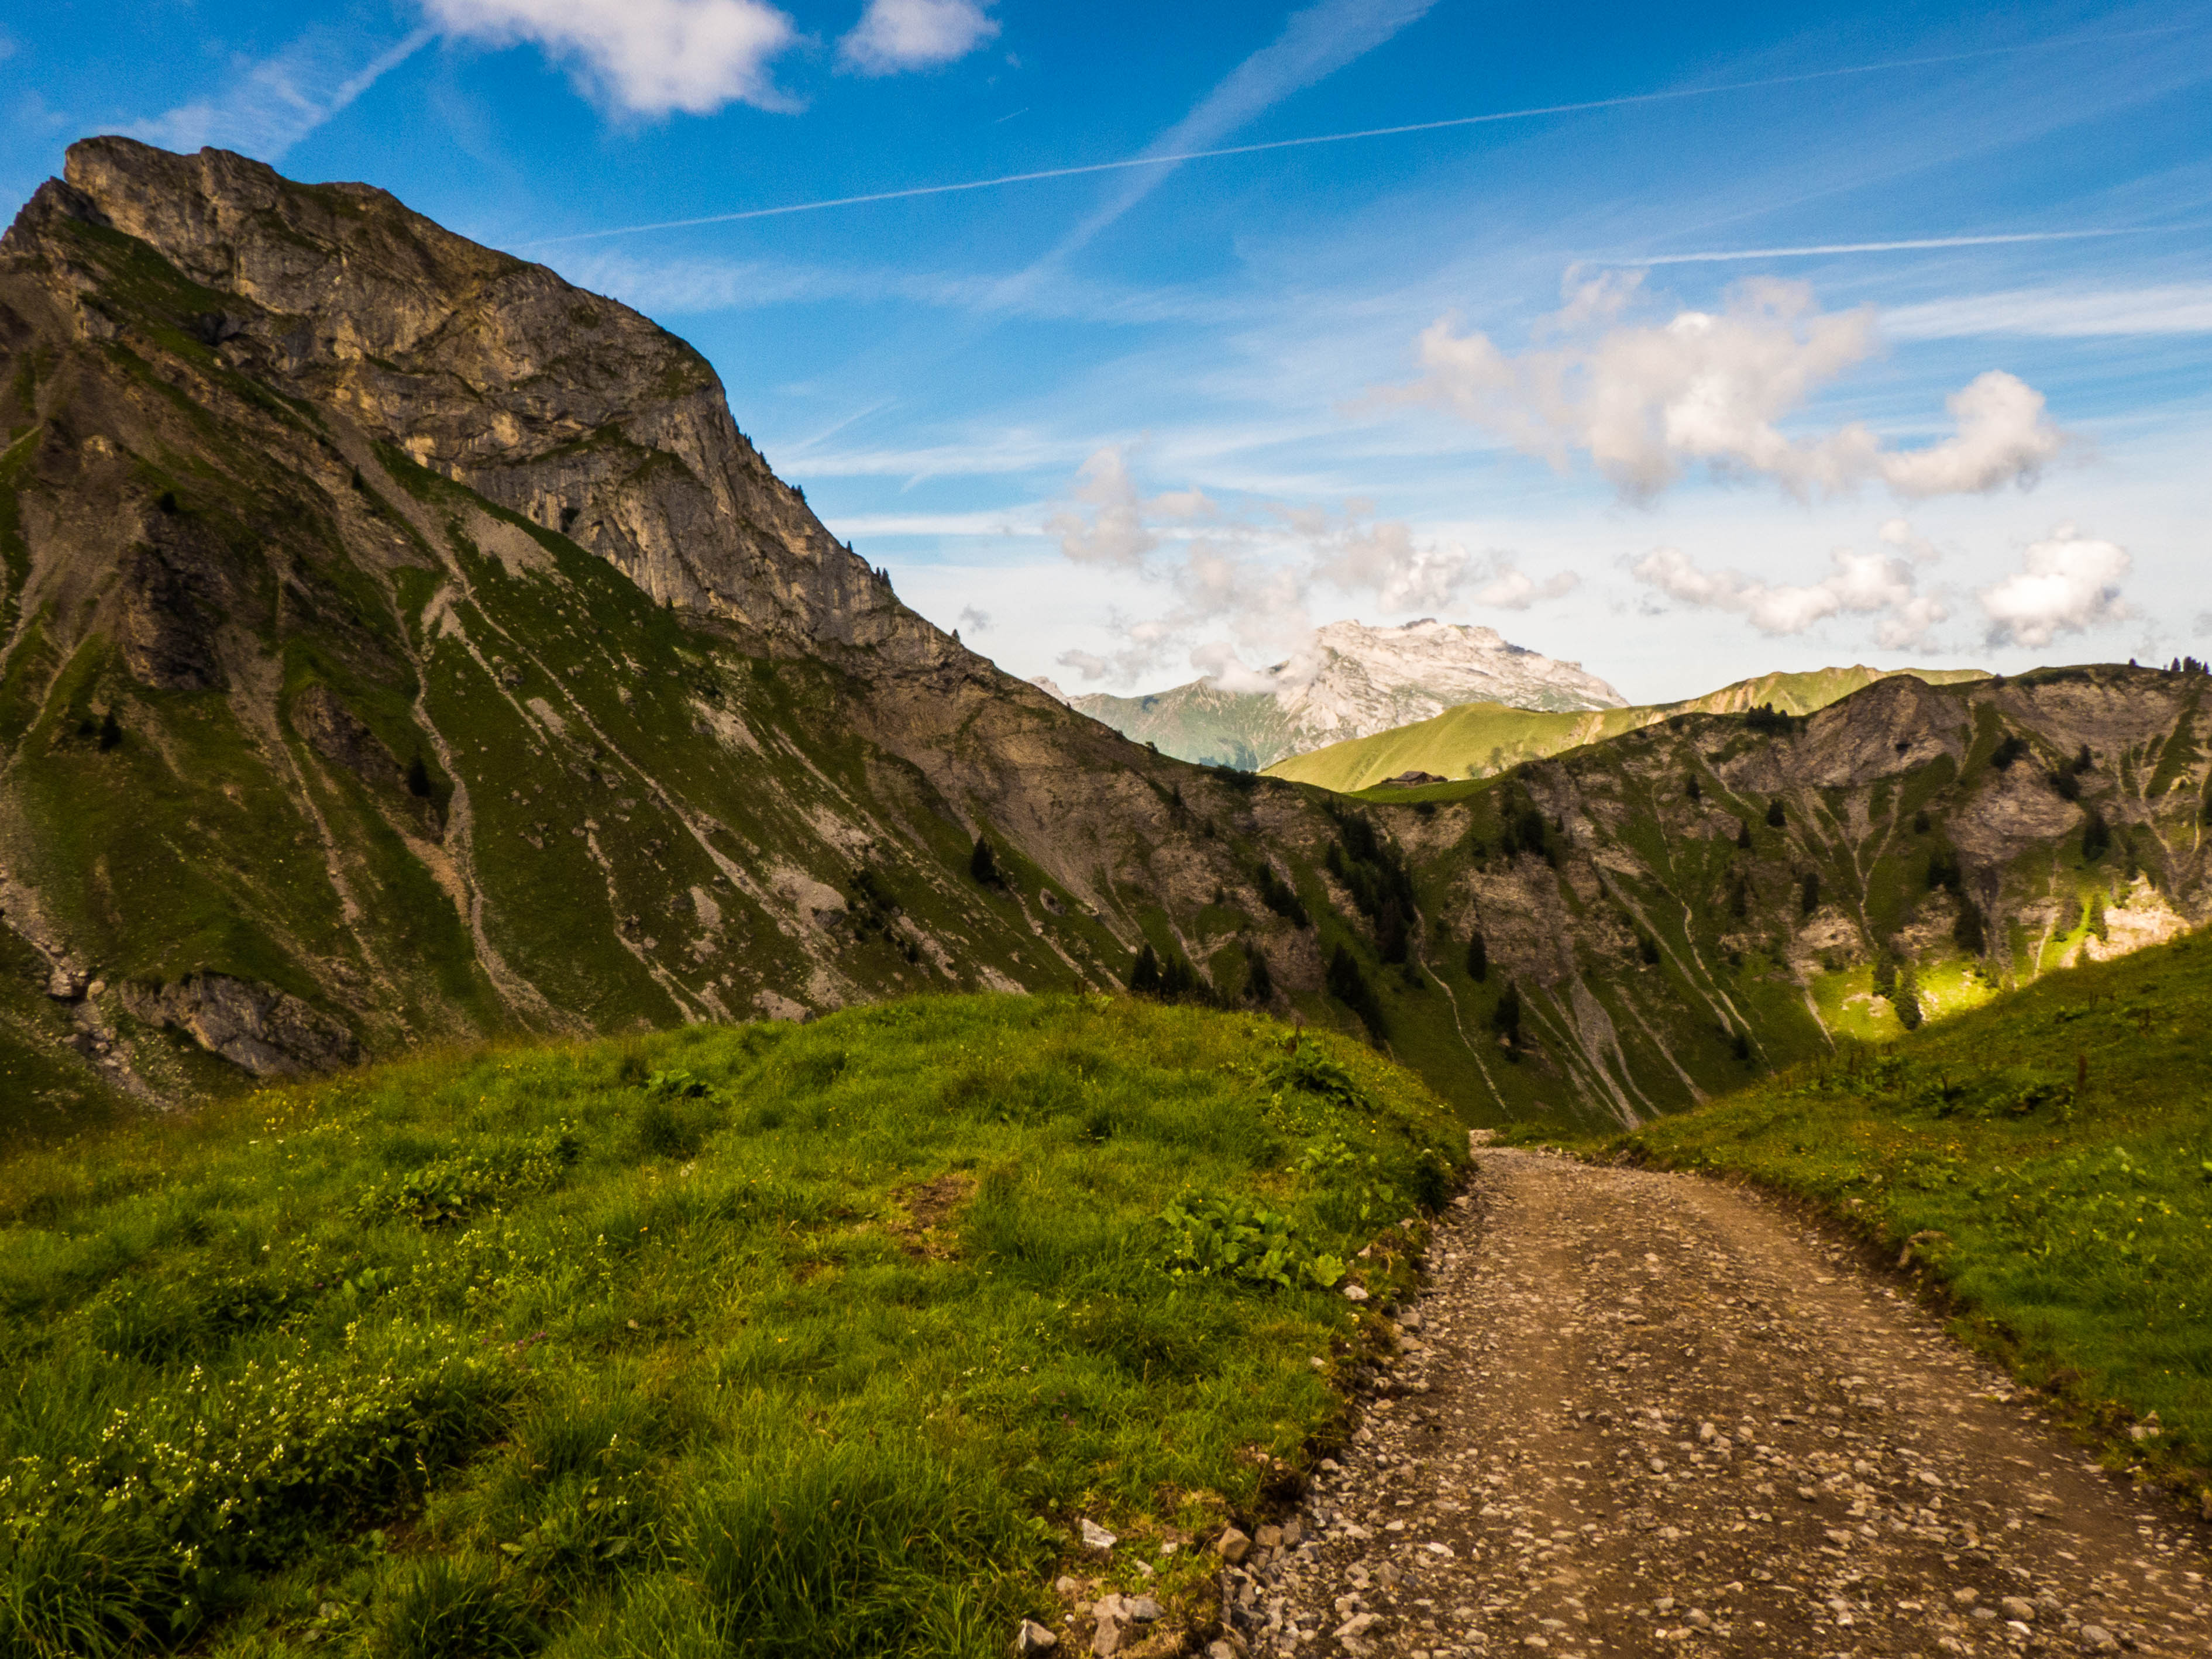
{"x": 570, "y": 409}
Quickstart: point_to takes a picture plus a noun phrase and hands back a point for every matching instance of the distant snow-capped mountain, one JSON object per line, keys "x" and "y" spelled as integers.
{"x": 1352, "y": 681}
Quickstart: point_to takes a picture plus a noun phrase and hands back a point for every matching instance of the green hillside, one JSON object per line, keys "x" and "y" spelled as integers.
{"x": 1481, "y": 739}
{"x": 758, "y": 1339}
{"x": 2049, "y": 1158}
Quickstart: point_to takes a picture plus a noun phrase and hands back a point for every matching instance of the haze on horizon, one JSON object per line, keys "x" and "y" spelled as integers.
{"x": 1686, "y": 347}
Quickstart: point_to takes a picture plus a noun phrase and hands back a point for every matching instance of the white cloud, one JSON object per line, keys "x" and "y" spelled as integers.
{"x": 1114, "y": 532}
{"x": 1244, "y": 587}
{"x": 975, "y": 621}
{"x": 2058, "y": 313}
{"x": 275, "y": 103}
{"x": 2069, "y": 583}
{"x": 1647, "y": 402}
{"x": 1879, "y": 585}
{"x": 1511, "y": 588}
{"x": 643, "y": 57}
{"x": 907, "y": 34}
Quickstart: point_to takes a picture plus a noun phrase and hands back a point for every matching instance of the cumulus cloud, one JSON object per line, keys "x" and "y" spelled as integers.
{"x": 1113, "y": 533}
{"x": 1240, "y": 588}
{"x": 1648, "y": 402}
{"x": 1882, "y": 585}
{"x": 642, "y": 56}
{"x": 894, "y": 36}
{"x": 2068, "y": 584}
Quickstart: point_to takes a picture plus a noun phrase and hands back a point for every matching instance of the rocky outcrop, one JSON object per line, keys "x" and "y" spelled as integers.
{"x": 255, "y": 1027}
{"x": 566, "y": 407}
{"x": 340, "y": 735}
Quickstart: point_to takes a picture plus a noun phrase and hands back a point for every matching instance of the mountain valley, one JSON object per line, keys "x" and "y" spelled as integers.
{"x": 403, "y": 648}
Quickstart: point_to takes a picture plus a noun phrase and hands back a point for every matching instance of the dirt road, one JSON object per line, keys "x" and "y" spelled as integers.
{"x": 1643, "y": 1413}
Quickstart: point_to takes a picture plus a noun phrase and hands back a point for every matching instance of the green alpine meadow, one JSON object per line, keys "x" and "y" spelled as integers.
{"x": 761, "y": 1339}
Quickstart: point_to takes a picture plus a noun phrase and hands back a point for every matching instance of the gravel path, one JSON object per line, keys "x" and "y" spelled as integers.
{"x": 1643, "y": 1414}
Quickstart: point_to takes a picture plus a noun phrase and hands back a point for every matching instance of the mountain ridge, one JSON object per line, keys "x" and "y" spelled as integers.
{"x": 1481, "y": 739}
{"x": 1350, "y": 680}
{"x": 311, "y": 748}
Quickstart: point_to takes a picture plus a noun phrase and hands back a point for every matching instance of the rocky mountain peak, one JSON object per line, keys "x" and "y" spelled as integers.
{"x": 557, "y": 404}
{"x": 1350, "y": 680}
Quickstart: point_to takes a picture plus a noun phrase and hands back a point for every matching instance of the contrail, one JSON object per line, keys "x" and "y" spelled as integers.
{"x": 1719, "y": 254}
{"x": 1533, "y": 113}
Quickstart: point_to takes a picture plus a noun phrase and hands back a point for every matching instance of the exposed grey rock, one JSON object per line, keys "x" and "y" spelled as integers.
{"x": 340, "y": 735}
{"x": 1232, "y": 1545}
{"x": 1033, "y": 1639}
{"x": 268, "y": 1032}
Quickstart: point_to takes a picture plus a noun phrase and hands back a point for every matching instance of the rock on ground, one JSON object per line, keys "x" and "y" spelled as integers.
{"x": 1643, "y": 1414}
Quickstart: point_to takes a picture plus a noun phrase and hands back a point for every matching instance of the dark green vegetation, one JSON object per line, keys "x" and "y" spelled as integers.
{"x": 761, "y": 1341}
{"x": 1845, "y": 874}
{"x": 2046, "y": 1158}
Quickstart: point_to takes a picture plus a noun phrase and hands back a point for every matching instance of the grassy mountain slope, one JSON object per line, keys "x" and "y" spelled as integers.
{"x": 1481, "y": 739}
{"x": 2050, "y": 1157}
{"x": 399, "y": 646}
{"x": 1679, "y": 907}
{"x": 760, "y": 1339}
{"x": 1199, "y": 722}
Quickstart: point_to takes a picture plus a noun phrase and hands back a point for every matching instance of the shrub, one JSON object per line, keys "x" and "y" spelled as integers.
{"x": 1144, "y": 976}
{"x": 1259, "y": 982}
{"x": 983, "y": 865}
{"x": 1647, "y": 949}
{"x": 111, "y": 730}
{"x": 418, "y": 779}
{"x": 2008, "y": 751}
{"x": 1694, "y": 790}
{"x": 1944, "y": 869}
{"x": 1506, "y": 1017}
{"x": 1279, "y": 896}
{"x": 2096, "y": 836}
{"x": 1349, "y": 986}
{"x": 1808, "y": 892}
{"x": 1743, "y": 834}
{"x": 1967, "y": 931}
{"x": 1775, "y": 815}
{"x": 1478, "y": 956}
{"x": 1906, "y": 998}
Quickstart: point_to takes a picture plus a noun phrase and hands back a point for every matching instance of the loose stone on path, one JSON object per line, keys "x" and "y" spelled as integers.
{"x": 1643, "y": 1413}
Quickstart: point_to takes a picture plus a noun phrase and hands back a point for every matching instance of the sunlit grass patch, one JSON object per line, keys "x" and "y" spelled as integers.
{"x": 2050, "y": 1152}
{"x": 762, "y": 1339}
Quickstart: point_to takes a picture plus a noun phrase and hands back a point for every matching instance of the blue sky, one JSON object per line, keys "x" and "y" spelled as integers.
{"x": 1745, "y": 339}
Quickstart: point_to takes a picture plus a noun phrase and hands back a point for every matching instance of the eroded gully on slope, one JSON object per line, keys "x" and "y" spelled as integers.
{"x": 1645, "y": 1414}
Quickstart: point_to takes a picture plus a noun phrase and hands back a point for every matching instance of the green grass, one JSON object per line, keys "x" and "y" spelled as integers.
{"x": 1481, "y": 739}
{"x": 747, "y": 1340}
{"x": 2059, "y": 1140}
